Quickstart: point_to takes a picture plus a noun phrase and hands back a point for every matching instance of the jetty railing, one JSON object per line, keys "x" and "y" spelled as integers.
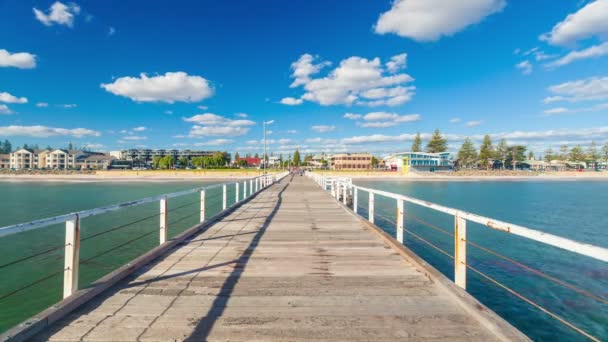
{"x": 345, "y": 192}
{"x": 243, "y": 190}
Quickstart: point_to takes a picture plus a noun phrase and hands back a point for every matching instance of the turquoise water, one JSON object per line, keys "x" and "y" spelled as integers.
{"x": 576, "y": 210}
{"x": 102, "y": 236}
{"x": 573, "y": 209}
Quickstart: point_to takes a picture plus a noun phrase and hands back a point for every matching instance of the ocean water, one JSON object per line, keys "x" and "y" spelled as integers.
{"x": 574, "y": 209}
{"x": 577, "y": 210}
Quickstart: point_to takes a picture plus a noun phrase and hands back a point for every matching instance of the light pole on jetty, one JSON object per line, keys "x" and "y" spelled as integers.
{"x": 265, "y": 156}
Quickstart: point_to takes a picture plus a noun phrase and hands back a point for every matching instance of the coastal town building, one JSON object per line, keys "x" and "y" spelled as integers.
{"x": 351, "y": 161}
{"x": 24, "y": 158}
{"x": 98, "y": 161}
{"x": 249, "y": 161}
{"x": 419, "y": 161}
{"x": 146, "y": 155}
{"x": 320, "y": 161}
{"x": 5, "y": 161}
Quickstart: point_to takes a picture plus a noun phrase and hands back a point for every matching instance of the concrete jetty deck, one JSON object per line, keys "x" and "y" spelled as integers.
{"x": 290, "y": 264}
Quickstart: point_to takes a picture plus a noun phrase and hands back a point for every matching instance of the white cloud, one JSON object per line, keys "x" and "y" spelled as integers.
{"x": 170, "y": 87}
{"x": 474, "y": 123}
{"x": 562, "y": 110}
{"x": 242, "y": 115}
{"x": 21, "y": 60}
{"x": 323, "y": 128}
{"x": 292, "y": 131}
{"x": 592, "y": 88}
{"x": 590, "y": 21}
{"x": 202, "y": 107}
{"x": 594, "y": 51}
{"x": 168, "y": 112}
{"x": 209, "y": 124}
{"x": 303, "y": 68}
{"x": 8, "y": 98}
{"x": 381, "y": 119}
{"x": 455, "y": 120}
{"x": 397, "y": 63}
{"x": 525, "y": 67}
{"x": 45, "y": 132}
{"x": 214, "y": 142}
{"x": 359, "y": 81}
{"x": 429, "y": 20}
{"x": 139, "y": 129}
{"x": 93, "y": 146}
{"x": 291, "y": 101}
{"x": 4, "y": 110}
{"x": 59, "y": 14}
{"x": 557, "y": 110}
{"x": 230, "y": 131}
{"x": 134, "y": 137}
{"x": 68, "y": 105}
{"x": 42, "y": 104}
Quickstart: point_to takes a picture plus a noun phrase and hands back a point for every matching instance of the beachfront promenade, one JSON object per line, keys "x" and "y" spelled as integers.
{"x": 290, "y": 264}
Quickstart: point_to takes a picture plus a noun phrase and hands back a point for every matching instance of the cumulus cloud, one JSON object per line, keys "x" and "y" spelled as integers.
{"x": 592, "y": 88}
{"x": 21, "y": 60}
{"x": 45, "y": 132}
{"x": 291, "y": 101}
{"x": 381, "y": 119}
{"x": 170, "y": 87}
{"x": 209, "y": 124}
{"x": 473, "y": 123}
{"x": 4, "y": 110}
{"x": 525, "y": 67}
{"x": 590, "y": 21}
{"x": 59, "y": 14}
{"x": 455, "y": 120}
{"x": 242, "y": 115}
{"x": 134, "y": 137}
{"x": 323, "y": 128}
{"x": 303, "y": 68}
{"x": 8, "y": 98}
{"x": 397, "y": 63}
{"x": 562, "y": 110}
{"x": 594, "y": 51}
{"x": 429, "y": 20}
{"x": 42, "y": 104}
{"x": 356, "y": 80}
{"x": 139, "y": 129}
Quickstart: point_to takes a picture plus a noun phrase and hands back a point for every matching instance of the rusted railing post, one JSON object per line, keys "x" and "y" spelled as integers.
{"x": 460, "y": 251}
{"x": 202, "y": 206}
{"x": 72, "y": 256}
{"x": 164, "y": 220}
{"x": 355, "y": 199}
{"x": 400, "y": 220}
{"x": 236, "y": 193}
{"x": 224, "y": 195}
{"x": 371, "y": 207}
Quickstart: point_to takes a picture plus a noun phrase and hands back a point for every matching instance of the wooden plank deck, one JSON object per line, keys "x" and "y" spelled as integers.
{"x": 291, "y": 264}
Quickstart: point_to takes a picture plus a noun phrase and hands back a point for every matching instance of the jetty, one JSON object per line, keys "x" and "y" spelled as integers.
{"x": 288, "y": 263}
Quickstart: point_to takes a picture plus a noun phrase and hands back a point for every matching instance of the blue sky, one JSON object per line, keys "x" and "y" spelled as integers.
{"x": 332, "y": 75}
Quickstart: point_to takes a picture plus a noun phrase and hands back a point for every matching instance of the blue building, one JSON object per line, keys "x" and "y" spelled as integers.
{"x": 419, "y": 161}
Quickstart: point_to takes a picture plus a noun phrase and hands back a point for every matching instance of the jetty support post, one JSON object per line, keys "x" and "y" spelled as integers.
{"x": 224, "y": 195}
{"x": 164, "y": 219}
{"x": 400, "y": 228}
{"x": 72, "y": 256}
{"x": 460, "y": 251}
{"x": 371, "y": 207}
{"x": 202, "y": 206}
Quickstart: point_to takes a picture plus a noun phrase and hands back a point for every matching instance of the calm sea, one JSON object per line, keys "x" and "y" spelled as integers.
{"x": 577, "y": 210}
{"x": 574, "y": 209}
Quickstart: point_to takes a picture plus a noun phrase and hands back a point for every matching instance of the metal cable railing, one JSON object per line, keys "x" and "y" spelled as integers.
{"x": 341, "y": 190}
{"x": 249, "y": 188}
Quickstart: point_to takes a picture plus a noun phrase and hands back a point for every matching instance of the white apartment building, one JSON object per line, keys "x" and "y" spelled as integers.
{"x": 24, "y": 159}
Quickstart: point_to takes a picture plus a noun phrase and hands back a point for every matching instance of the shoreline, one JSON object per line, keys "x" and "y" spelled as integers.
{"x": 184, "y": 176}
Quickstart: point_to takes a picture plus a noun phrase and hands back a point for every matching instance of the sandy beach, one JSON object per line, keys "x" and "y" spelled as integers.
{"x": 213, "y": 175}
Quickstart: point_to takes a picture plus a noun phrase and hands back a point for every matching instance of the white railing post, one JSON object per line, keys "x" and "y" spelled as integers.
{"x": 257, "y": 182}
{"x": 202, "y": 206}
{"x": 344, "y": 191}
{"x": 224, "y": 195}
{"x": 400, "y": 227}
{"x": 163, "y": 220}
{"x": 371, "y": 207}
{"x": 355, "y": 199}
{"x": 332, "y": 188}
{"x": 72, "y": 256}
{"x": 237, "y": 192}
{"x": 244, "y": 189}
{"x": 251, "y": 187}
{"x": 460, "y": 251}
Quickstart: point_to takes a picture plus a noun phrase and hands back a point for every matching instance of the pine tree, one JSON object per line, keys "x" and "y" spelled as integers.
{"x": 437, "y": 143}
{"x": 296, "y": 158}
{"x": 605, "y": 152}
{"x": 502, "y": 152}
{"x": 417, "y": 144}
{"x": 592, "y": 153}
{"x": 6, "y": 147}
{"x": 467, "y": 154}
{"x": 563, "y": 152}
{"x": 236, "y": 156}
{"x": 549, "y": 155}
{"x": 486, "y": 152}
{"x": 577, "y": 154}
